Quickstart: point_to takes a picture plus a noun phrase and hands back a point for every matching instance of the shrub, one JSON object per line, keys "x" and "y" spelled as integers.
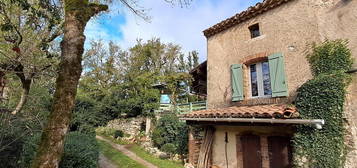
{"x": 169, "y": 148}
{"x": 87, "y": 115}
{"x": 80, "y": 151}
{"x": 330, "y": 56}
{"x": 170, "y": 130}
{"x": 118, "y": 134}
{"x": 106, "y": 131}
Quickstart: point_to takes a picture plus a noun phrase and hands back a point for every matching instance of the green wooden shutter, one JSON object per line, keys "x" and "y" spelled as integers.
{"x": 277, "y": 75}
{"x": 237, "y": 82}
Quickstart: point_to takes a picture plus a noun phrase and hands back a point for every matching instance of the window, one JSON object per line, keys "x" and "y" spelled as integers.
{"x": 254, "y": 30}
{"x": 267, "y": 79}
{"x": 260, "y": 79}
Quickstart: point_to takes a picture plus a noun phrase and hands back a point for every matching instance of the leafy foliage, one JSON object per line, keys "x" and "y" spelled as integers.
{"x": 118, "y": 134}
{"x": 122, "y": 82}
{"x": 80, "y": 151}
{"x": 323, "y": 98}
{"x": 330, "y": 56}
{"x": 87, "y": 115}
{"x": 106, "y": 131}
{"x": 169, "y": 148}
{"x": 11, "y": 140}
{"x": 28, "y": 47}
{"x": 170, "y": 130}
{"x": 14, "y": 129}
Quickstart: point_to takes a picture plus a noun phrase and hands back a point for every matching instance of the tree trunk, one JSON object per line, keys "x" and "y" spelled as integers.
{"x": 77, "y": 14}
{"x": 2, "y": 85}
{"x": 26, "y": 85}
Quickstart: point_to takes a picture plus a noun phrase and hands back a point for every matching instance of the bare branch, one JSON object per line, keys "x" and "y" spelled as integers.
{"x": 138, "y": 10}
{"x": 182, "y": 3}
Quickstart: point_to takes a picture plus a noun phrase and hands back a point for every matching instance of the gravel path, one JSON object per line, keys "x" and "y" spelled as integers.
{"x": 127, "y": 152}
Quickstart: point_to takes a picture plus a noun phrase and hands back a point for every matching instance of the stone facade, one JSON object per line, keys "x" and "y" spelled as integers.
{"x": 289, "y": 29}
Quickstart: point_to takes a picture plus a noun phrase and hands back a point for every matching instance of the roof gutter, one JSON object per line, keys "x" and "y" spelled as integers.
{"x": 315, "y": 122}
{"x": 352, "y": 71}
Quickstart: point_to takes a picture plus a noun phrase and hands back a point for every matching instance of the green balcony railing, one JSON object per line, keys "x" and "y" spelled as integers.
{"x": 182, "y": 108}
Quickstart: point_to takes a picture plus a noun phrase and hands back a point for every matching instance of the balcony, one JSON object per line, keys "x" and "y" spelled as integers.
{"x": 181, "y": 108}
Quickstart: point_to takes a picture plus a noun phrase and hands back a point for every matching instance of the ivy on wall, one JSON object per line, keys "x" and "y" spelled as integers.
{"x": 323, "y": 98}
{"x": 330, "y": 56}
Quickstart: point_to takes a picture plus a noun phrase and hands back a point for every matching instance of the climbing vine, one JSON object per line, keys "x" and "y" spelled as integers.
{"x": 323, "y": 98}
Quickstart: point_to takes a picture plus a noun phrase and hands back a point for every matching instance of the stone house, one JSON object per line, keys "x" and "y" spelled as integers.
{"x": 255, "y": 63}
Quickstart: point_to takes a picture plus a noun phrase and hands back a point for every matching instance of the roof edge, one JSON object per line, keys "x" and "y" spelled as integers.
{"x": 250, "y": 12}
{"x": 318, "y": 123}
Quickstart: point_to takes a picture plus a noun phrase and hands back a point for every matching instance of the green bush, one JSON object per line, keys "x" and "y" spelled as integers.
{"x": 87, "y": 115}
{"x": 10, "y": 150}
{"x": 118, "y": 134}
{"x": 330, "y": 56}
{"x": 170, "y": 130}
{"x": 80, "y": 151}
{"x": 169, "y": 148}
{"x": 106, "y": 131}
{"x": 14, "y": 129}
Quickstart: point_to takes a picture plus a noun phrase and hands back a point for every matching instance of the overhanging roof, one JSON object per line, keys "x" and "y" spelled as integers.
{"x": 256, "y": 111}
{"x": 266, "y": 114}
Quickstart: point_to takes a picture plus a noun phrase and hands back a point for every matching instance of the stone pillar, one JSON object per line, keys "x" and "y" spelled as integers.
{"x": 191, "y": 146}
{"x": 264, "y": 151}
{"x": 147, "y": 126}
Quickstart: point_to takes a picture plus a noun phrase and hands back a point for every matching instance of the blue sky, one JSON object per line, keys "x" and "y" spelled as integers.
{"x": 182, "y": 26}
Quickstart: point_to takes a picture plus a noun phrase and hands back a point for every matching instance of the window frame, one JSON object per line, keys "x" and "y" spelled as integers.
{"x": 252, "y": 29}
{"x": 260, "y": 83}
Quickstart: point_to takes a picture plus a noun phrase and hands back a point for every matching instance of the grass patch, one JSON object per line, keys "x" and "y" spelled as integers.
{"x": 117, "y": 157}
{"x": 161, "y": 163}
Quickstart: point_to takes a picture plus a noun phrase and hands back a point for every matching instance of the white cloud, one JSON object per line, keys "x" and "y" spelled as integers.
{"x": 182, "y": 26}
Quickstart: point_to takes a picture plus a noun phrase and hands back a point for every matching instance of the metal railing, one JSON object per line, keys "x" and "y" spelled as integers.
{"x": 192, "y": 106}
{"x": 182, "y": 108}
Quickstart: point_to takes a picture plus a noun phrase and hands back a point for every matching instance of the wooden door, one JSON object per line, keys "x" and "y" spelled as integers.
{"x": 251, "y": 148}
{"x": 279, "y": 152}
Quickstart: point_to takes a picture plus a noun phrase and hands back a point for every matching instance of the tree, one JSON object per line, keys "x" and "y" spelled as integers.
{"x": 27, "y": 31}
{"x": 77, "y": 14}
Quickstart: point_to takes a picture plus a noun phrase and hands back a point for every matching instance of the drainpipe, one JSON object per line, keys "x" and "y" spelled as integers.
{"x": 315, "y": 122}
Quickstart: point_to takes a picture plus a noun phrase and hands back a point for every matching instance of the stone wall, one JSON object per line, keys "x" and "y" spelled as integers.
{"x": 131, "y": 126}
{"x": 351, "y": 125}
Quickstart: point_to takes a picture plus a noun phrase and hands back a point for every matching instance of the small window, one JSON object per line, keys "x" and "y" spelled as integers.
{"x": 254, "y": 30}
{"x": 260, "y": 79}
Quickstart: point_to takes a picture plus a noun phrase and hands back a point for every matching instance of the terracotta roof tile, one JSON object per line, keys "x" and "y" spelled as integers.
{"x": 257, "y": 111}
{"x": 252, "y": 11}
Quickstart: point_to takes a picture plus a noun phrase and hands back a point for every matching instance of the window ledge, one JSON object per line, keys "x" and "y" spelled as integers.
{"x": 267, "y": 100}
{"x": 256, "y": 38}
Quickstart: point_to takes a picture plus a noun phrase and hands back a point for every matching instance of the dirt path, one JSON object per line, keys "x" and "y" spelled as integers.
{"x": 128, "y": 153}
{"x": 105, "y": 162}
